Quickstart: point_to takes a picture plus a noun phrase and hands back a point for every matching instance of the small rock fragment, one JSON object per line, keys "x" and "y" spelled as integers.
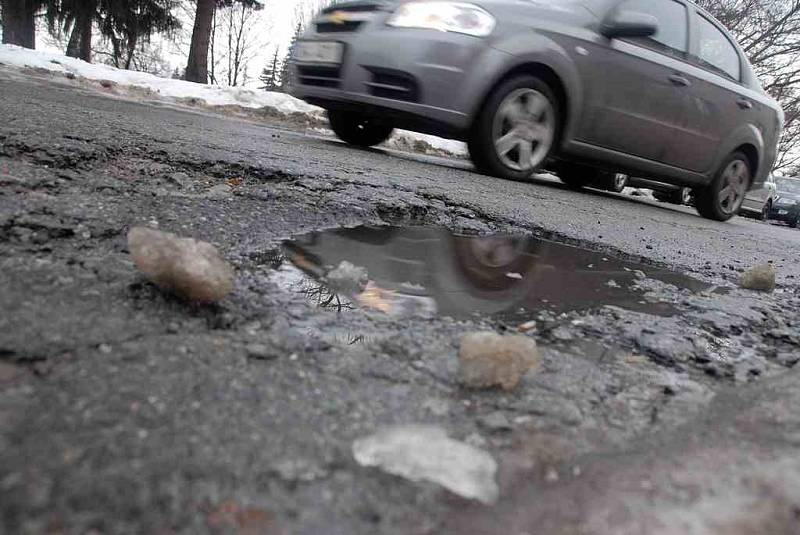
{"x": 426, "y": 453}
{"x": 220, "y": 191}
{"x": 191, "y": 269}
{"x": 527, "y": 326}
{"x": 760, "y": 278}
{"x": 488, "y": 359}
{"x": 347, "y": 279}
{"x": 495, "y": 421}
{"x": 260, "y": 352}
{"x": 9, "y": 372}
{"x": 562, "y": 334}
{"x": 180, "y": 179}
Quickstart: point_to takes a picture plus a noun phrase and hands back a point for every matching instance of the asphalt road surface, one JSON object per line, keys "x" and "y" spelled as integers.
{"x": 124, "y": 410}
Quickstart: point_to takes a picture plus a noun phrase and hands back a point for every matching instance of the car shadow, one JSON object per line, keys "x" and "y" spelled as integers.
{"x": 466, "y": 166}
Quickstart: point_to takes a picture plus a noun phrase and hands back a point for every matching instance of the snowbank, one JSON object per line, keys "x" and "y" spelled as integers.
{"x": 209, "y": 95}
{"x": 165, "y": 87}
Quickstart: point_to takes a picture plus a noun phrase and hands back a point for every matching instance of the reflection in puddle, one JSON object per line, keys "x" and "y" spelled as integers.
{"x": 430, "y": 270}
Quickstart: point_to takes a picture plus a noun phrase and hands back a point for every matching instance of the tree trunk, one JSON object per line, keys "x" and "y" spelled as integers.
{"x": 131, "y": 51}
{"x": 197, "y": 68}
{"x": 19, "y": 22}
{"x": 80, "y": 40}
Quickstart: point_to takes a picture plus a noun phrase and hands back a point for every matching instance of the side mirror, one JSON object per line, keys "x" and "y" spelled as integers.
{"x": 623, "y": 23}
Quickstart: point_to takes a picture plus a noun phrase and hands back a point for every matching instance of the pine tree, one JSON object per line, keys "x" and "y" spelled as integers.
{"x": 125, "y": 23}
{"x": 269, "y": 76}
{"x": 19, "y": 21}
{"x": 284, "y": 82}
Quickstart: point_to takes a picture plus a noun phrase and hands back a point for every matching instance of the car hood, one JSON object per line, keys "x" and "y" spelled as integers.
{"x": 576, "y": 11}
{"x": 787, "y": 196}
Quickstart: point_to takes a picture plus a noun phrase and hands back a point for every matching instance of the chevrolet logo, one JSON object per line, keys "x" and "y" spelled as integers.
{"x": 338, "y": 17}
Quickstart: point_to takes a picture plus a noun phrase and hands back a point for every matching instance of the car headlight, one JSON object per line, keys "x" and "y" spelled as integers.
{"x": 444, "y": 16}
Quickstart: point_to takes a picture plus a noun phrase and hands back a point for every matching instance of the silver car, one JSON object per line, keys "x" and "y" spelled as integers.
{"x": 592, "y": 88}
{"x": 759, "y": 201}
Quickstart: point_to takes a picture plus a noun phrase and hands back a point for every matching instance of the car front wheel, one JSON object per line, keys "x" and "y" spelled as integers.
{"x": 357, "y": 129}
{"x": 723, "y": 197}
{"x": 516, "y": 131}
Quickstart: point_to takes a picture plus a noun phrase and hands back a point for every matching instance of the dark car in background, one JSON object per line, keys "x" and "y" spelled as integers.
{"x": 787, "y": 201}
{"x": 651, "y": 88}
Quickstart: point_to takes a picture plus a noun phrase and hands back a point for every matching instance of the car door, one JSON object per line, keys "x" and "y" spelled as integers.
{"x": 634, "y": 87}
{"x": 716, "y": 101}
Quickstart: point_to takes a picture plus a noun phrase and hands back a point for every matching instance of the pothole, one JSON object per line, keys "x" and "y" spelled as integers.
{"x": 431, "y": 270}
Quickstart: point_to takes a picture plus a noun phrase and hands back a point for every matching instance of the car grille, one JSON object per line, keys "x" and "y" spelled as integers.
{"x": 396, "y": 85}
{"x": 319, "y": 76}
{"x": 343, "y": 27}
{"x": 357, "y": 7}
{"x": 346, "y": 17}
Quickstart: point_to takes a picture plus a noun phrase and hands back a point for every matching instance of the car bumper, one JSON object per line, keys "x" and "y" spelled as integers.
{"x": 419, "y": 79}
{"x": 785, "y": 213}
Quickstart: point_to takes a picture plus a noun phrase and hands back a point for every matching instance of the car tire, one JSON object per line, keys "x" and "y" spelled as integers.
{"x": 722, "y": 198}
{"x": 357, "y": 129}
{"x": 517, "y": 129}
{"x": 795, "y": 222}
{"x": 614, "y": 182}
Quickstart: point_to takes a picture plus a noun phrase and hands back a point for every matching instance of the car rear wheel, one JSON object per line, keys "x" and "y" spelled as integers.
{"x": 357, "y": 129}
{"x": 722, "y": 199}
{"x": 516, "y": 131}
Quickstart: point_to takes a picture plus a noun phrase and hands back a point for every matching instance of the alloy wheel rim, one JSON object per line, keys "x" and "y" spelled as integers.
{"x": 524, "y": 129}
{"x": 735, "y": 180}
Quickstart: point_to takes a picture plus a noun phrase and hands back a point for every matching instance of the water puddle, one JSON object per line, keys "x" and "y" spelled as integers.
{"x": 429, "y": 270}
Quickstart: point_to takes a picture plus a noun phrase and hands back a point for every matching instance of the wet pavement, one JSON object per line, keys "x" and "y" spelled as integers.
{"x": 123, "y": 409}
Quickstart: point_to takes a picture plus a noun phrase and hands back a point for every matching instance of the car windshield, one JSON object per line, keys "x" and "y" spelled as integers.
{"x": 788, "y": 185}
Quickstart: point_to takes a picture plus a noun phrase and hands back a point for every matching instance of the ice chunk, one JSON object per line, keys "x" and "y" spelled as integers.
{"x": 418, "y": 453}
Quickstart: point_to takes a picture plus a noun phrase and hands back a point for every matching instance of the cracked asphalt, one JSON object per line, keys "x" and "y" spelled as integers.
{"x": 124, "y": 410}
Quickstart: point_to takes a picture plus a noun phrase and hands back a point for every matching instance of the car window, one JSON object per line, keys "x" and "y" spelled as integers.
{"x": 672, "y": 34}
{"x": 716, "y": 51}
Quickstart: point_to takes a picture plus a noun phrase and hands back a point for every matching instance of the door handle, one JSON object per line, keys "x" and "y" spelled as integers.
{"x": 679, "y": 80}
{"x": 744, "y": 104}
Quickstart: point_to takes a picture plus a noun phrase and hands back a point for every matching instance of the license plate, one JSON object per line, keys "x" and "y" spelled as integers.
{"x": 329, "y": 52}
{"x": 783, "y": 212}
